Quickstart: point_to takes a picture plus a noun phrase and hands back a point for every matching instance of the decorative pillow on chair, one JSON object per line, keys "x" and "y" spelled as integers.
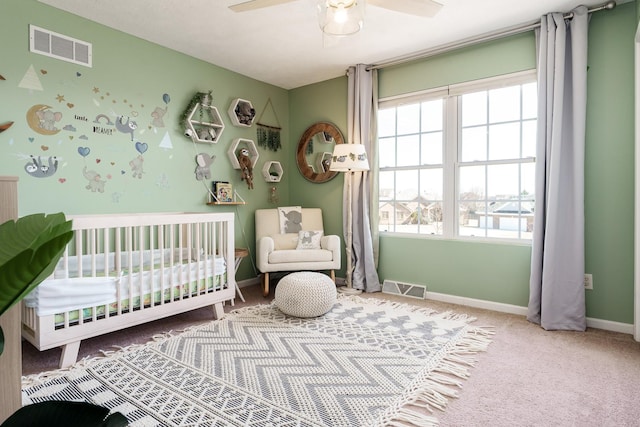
{"x": 290, "y": 219}
{"x": 309, "y": 239}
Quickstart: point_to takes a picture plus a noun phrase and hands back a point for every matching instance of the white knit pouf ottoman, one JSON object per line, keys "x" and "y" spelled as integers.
{"x": 305, "y": 294}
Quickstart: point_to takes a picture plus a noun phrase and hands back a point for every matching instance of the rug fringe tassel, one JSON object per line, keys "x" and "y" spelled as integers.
{"x": 438, "y": 384}
{"x": 413, "y": 418}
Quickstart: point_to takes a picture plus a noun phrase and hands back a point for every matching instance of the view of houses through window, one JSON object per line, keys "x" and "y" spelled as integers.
{"x": 460, "y": 161}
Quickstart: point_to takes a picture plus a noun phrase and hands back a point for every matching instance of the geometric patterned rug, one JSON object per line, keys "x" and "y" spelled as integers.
{"x": 367, "y": 362}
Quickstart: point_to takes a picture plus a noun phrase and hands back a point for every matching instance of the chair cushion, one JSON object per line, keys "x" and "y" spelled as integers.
{"x": 293, "y": 255}
{"x": 305, "y": 294}
{"x": 284, "y": 241}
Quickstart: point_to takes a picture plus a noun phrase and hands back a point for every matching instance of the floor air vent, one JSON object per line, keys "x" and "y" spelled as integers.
{"x": 58, "y": 46}
{"x": 404, "y": 289}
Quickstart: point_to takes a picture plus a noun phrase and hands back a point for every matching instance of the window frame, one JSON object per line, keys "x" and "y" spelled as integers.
{"x": 451, "y": 96}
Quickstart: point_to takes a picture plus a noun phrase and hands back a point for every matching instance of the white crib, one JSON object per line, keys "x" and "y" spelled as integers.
{"x": 123, "y": 270}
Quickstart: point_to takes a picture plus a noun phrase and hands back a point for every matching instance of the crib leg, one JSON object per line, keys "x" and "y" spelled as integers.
{"x": 69, "y": 354}
{"x": 218, "y": 310}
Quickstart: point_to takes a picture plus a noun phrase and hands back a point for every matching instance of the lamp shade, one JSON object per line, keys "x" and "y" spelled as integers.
{"x": 349, "y": 158}
{"x": 340, "y": 17}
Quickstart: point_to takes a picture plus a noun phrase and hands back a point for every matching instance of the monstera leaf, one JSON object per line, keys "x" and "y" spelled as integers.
{"x": 30, "y": 249}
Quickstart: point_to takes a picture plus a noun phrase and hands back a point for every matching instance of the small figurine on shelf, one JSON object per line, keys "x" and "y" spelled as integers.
{"x": 246, "y": 168}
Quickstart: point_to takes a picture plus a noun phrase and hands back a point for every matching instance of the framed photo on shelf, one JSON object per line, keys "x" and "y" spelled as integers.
{"x": 224, "y": 191}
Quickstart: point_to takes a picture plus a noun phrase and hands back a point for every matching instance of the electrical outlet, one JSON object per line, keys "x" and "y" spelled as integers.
{"x": 588, "y": 281}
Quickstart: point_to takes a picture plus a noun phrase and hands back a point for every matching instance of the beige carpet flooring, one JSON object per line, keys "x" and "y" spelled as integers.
{"x": 528, "y": 376}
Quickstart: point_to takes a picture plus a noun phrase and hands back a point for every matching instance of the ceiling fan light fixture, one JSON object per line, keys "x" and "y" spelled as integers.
{"x": 340, "y": 17}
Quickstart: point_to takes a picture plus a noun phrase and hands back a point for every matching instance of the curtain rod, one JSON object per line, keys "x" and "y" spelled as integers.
{"x": 478, "y": 39}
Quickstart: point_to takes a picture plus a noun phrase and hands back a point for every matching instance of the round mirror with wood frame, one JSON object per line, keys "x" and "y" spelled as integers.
{"x": 315, "y": 148}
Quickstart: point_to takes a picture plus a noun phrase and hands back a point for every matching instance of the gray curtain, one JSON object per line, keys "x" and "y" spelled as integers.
{"x": 556, "y": 298}
{"x": 362, "y": 102}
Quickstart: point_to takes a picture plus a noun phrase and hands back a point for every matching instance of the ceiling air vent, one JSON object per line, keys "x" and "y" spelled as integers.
{"x": 58, "y": 46}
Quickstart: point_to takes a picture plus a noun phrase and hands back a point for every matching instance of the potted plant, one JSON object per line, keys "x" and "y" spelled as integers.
{"x": 31, "y": 247}
{"x": 30, "y": 250}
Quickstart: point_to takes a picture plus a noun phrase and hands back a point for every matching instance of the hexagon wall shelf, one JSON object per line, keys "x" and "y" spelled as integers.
{"x": 204, "y": 123}
{"x": 236, "y": 145}
{"x": 242, "y": 112}
{"x": 272, "y": 171}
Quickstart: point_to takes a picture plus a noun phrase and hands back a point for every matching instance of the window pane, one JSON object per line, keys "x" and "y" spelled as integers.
{"x": 387, "y": 152}
{"x": 474, "y": 109}
{"x": 408, "y": 150}
{"x": 528, "y": 181}
{"x": 386, "y": 185}
{"x": 432, "y": 115}
{"x": 386, "y": 216}
{"x": 530, "y": 101}
{"x": 408, "y": 119}
{"x": 472, "y": 182}
{"x": 406, "y": 185}
{"x": 502, "y": 181}
{"x": 431, "y": 184}
{"x": 472, "y": 219}
{"x": 504, "y": 141}
{"x": 429, "y": 218}
{"x": 474, "y": 144}
{"x": 504, "y": 104}
{"x": 529, "y": 132}
{"x": 387, "y": 122}
{"x": 431, "y": 150}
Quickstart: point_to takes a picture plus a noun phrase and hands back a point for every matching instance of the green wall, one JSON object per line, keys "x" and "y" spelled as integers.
{"x": 609, "y": 166}
{"x": 500, "y": 272}
{"x": 129, "y": 77}
{"x": 322, "y": 102}
{"x": 486, "y": 271}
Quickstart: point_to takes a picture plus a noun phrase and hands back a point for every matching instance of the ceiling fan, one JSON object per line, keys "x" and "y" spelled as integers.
{"x": 424, "y": 8}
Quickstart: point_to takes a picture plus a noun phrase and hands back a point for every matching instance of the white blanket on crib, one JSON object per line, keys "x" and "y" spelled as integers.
{"x": 55, "y": 296}
{"x": 59, "y": 295}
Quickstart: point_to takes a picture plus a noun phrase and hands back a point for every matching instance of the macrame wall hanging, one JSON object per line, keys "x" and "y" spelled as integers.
{"x": 268, "y": 136}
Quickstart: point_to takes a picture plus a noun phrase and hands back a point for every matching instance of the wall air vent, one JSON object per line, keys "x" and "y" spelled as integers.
{"x": 59, "y": 46}
{"x": 404, "y": 289}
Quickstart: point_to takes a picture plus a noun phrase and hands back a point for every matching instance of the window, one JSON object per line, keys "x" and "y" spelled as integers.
{"x": 460, "y": 161}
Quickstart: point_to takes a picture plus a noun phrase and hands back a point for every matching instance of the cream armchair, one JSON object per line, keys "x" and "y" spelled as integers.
{"x": 277, "y": 252}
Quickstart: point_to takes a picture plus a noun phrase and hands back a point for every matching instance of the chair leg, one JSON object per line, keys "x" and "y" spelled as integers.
{"x": 265, "y": 284}
{"x": 332, "y": 273}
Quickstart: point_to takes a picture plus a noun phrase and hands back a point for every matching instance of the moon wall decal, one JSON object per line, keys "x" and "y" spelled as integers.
{"x": 43, "y": 120}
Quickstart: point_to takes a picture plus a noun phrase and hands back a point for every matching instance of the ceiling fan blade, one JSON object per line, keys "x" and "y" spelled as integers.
{"x": 256, "y": 4}
{"x": 425, "y": 8}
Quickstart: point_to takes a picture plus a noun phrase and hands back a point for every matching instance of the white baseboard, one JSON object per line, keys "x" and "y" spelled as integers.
{"x": 606, "y": 325}
{"x": 609, "y": 325}
{"x": 477, "y": 303}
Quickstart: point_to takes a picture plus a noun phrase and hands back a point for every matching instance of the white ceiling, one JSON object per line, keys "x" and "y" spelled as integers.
{"x": 283, "y": 44}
